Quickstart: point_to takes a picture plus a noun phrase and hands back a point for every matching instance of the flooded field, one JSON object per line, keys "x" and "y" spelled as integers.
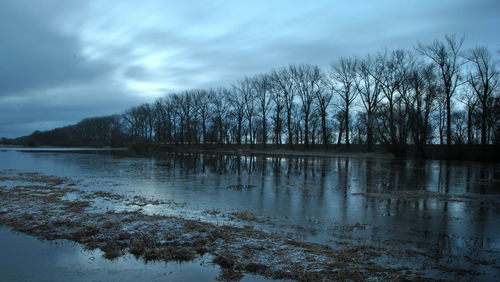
{"x": 423, "y": 219}
{"x": 25, "y": 258}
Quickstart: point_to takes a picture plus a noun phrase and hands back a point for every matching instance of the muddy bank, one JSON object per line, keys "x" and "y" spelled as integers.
{"x": 52, "y": 208}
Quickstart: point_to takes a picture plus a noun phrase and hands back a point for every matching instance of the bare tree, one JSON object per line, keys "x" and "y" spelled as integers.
{"x": 446, "y": 56}
{"x": 338, "y": 119}
{"x": 495, "y": 119}
{"x": 203, "y": 105}
{"x": 323, "y": 99}
{"x": 391, "y": 71}
{"x": 307, "y": 79}
{"x": 278, "y": 106}
{"x": 221, "y": 105}
{"x": 368, "y": 84}
{"x": 140, "y": 122}
{"x": 186, "y": 113}
{"x": 261, "y": 86}
{"x": 483, "y": 79}
{"x": 283, "y": 83}
{"x": 245, "y": 89}
{"x": 160, "y": 120}
{"x": 403, "y": 98}
{"x": 470, "y": 100}
{"x": 420, "y": 101}
{"x": 342, "y": 75}
{"x": 238, "y": 102}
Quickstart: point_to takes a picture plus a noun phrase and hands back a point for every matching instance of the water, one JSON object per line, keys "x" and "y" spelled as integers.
{"x": 314, "y": 199}
{"x": 25, "y": 258}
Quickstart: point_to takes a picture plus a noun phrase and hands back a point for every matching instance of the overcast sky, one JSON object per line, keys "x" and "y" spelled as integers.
{"x": 61, "y": 61}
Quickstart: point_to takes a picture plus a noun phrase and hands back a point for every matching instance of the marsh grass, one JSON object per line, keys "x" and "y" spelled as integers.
{"x": 245, "y": 215}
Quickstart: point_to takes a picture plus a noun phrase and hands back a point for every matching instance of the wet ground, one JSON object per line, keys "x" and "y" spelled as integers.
{"x": 442, "y": 213}
{"x": 26, "y": 258}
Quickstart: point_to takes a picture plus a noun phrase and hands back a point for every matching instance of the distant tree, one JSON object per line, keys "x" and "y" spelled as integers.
{"x": 403, "y": 99}
{"x": 165, "y": 118}
{"x": 308, "y": 83}
{"x": 246, "y": 92}
{"x": 282, "y": 81}
{"x": 392, "y": 69}
{"x": 459, "y": 132}
{"x": 483, "y": 79}
{"x": 470, "y": 100}
{"x": 204, "y": 107}
{"x": 262, "y": 87}
{"x": 495, "y": 119}
{"x": 238, "y": 105}
{"x": 324, "y": 99}
{"x": 220, "y": 101}
{"x": 136, "y": 121}
{"x": 278, "y": 104}
{"x": 338, "y": 120}
{"x": 440, "y": 117}
{"x": 446, "y": 56}
{"x": 420, "y": 102}
{"x": 342, "y": 75}
{"x": 368, "y": 84}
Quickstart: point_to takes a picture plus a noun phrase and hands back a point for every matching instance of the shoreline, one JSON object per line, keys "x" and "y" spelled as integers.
{"x": 488, "y": 153}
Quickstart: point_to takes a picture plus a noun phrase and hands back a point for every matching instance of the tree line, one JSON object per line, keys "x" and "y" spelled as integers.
{"x": 435, "y": 93}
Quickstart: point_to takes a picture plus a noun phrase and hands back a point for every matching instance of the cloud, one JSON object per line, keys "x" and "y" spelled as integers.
{"x": 45, "y": 79}
{"x": 61, "y": 61}
{"x": 35, "y": 56}
{"x": 46, "y": 109}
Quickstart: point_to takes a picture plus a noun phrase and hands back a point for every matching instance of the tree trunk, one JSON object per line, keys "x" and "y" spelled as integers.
{"x": 306, "y": 130}
{"x": 346, "y": 126}
{"x": 483, "y": 123}
{"x": 448, "y": 121}
{"x": 264, "y": 130}
{"x": 289, "y": 124}
{"x": 369, "y": 131}
{"x": 323, "y": 129}
{"x": 238, "y": 134}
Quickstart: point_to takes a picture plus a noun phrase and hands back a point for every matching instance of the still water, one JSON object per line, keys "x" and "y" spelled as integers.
{"x": 429, "y": 206}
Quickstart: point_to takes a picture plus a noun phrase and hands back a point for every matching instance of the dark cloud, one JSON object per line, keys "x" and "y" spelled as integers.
{"x": 61, "y": 61}
{"x": 35, "y": 56}
{"x": 45, "y": 80}
{"x": 45, "y": 109}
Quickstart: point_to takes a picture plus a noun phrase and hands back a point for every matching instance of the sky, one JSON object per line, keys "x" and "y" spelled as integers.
{"x": 65, "y": 60}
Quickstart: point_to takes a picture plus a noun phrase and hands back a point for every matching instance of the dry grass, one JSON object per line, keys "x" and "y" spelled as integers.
{"x": 245, "y": 215}
{"x": 212, "y": 212}
{"x": 104, "y": 195}
{"x": 143, "y": 201}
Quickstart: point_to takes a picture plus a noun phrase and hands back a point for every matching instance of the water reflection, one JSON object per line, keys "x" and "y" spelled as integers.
{"x": 438, "y": 207}
{"x": 25, "y": 258}
{"x": 362, "y": 174}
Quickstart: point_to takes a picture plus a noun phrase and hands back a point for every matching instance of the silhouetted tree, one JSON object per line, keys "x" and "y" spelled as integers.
{"x": 368, "y": 80}
{"x": 342, "y": 74}
{"x": 446, "y": 56}
{"x": 308, "y": 82}
{"x": 483, "y": 79}
{"x": 262, "y": 87}
{"x": 282, "y": 82}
